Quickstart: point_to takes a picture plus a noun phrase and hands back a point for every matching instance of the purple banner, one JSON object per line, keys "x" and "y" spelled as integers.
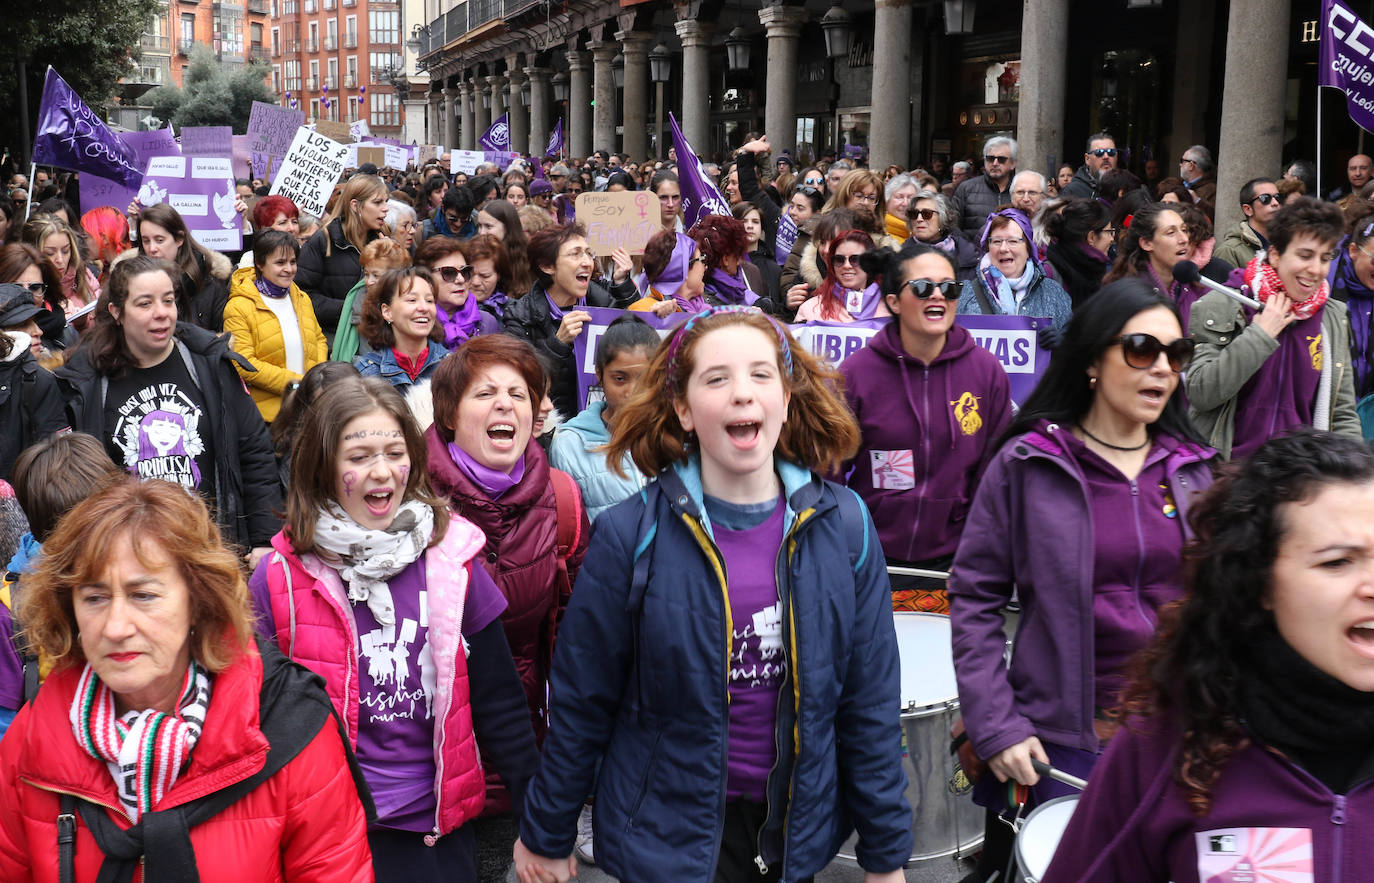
{"x": 270, "y": 130}
{"x": 786, "y": 237}
{"x": 700, "y": 197}
{"x": 96, "y": 190}
{"x": 1347, "y": 60}
{"x": 497, "y": 137}
{"x": 71, "y": 136}
{"x": 555, "y": 147}
{"x": 201, "y": 189}
{"x": 1010, "y": 338}
{"x": 207, "y": 141}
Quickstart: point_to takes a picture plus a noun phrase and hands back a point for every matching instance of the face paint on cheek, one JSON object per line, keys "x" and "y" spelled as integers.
{"x": 350, "y": 478}
{"x": 405, "y": 475}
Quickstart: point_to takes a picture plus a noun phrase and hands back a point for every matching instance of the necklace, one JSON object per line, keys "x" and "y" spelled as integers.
{"x": 1126, "y": 448}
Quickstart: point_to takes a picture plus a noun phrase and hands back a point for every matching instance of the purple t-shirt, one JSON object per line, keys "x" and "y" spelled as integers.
{"x": 758, "y": 663}
{"x": 1281, "y": 394}
{"x": 1137, "y": 560}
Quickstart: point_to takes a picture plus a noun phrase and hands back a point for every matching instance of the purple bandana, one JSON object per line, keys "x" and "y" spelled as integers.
{"x": 267, "y": 289}
{"x": 459, "y": 326}
{"x": 493, "y": 482}
{"x": 733, "y": 290}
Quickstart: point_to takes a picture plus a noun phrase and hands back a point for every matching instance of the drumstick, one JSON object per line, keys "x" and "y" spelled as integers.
{"x": 1045, "y": 769}
{"x": 916, "y": 571}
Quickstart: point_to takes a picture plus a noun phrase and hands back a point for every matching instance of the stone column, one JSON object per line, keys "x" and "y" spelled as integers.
{"x": 579, "y": 104}
{"x": 696, "y": 82}
{"x": 481, "y": 112}
{"x": 635, "y": 47}
{"x": 540, "y": 127}
{"x": 498, "y": 98}
{"x": 889, "y": 134}
{"x": 451, "y": 95}
{"x": 519, "y": 114}
{"x": 783, "y": 25}
{"x": 1045, "y": 46}
{"x": 1252, "y": 107}
{"x": 467, "y": 133}
{"x": 603, "y": 93}
{"x": 1192, "y": 83}
{"x": 434, "y": 119}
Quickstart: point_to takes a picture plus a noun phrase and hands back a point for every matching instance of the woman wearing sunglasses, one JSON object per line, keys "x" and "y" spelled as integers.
{"x": 848, "y": 292}
{"x": 1261, "y": 373}
{"x": 1083, "y": 510}
{"x": 930, "y": 404}
{"x": 932, "y": 221}
{"x": 457, "y": 310}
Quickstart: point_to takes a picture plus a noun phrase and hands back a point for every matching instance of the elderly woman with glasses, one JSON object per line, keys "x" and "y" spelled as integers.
{"x": 1010, "y": 280}
{"x": 932, "y": 221}
{"x": 901, "y": 188}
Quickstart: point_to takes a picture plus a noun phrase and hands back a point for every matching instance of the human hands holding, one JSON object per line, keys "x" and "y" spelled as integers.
{"x": 758, "y": 145}
{"x": 1015, "y": 762}
{"x": 531, "y": 868}
{"x": 572, "y": 324}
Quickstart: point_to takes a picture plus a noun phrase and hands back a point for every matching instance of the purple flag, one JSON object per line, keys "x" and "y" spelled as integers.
{"x": 498, "y": 136}
{"x": 555, "y": 147}
{"x": 1347, "y": 60}
{"x": 72, "y": 136}
{"x": 786, "y": 237}
{"x": 699, "y": 196}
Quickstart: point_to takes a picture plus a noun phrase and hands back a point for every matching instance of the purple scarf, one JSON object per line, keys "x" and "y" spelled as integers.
{"x": 669, "y": 282}
{"x": 459, "y": 326}
{"x": 868, "y": 300}
{"x": 496, "y": 303}
{"x": 732, "y": 290}
{"x": 267, "y": 289}
{"x": 493, "y": 482}
{"x": 557, "y": 312}
{"x": 1360, "y": 305}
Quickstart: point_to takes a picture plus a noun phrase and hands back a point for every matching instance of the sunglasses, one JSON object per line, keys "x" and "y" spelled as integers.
{"x": 814, "y": 182}
{"x": 1266, "y": 198}
{"x": 841, "y": 259}
{"x": 924, "y": 288}
{"x": 809, "y": 190}
{"x": 925, "y": 214}
{"x": 997, "y": 159}
{"x": 451, "y": 274}
{"x": 1141, "y": 351}
{"x": 1100, "y": 152}
{"x": 37, "y": 289}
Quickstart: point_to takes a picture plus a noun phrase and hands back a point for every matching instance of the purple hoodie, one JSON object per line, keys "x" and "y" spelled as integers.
{"x": 1134, "y": 825}
{"x": 928, "y": 431}
{"x": 1032, "y": 526}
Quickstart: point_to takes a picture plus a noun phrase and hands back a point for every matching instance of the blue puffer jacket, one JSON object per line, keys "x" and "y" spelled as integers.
{"x": 574, "y": 450}
{"x": 642, "y": 687}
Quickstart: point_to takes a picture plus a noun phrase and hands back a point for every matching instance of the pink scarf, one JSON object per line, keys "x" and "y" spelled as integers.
{"x": 1264, "y": 281}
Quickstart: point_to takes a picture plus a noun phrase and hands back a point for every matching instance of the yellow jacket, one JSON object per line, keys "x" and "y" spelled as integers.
{"x": 258, "y": 338}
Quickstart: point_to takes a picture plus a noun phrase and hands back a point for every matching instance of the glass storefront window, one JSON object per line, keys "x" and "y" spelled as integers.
{"x": 854, "y": 132}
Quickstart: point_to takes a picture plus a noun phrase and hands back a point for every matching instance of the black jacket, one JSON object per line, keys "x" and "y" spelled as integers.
{"x": 207, "y": 302}
{"x": 1083, "y": 185}
{"x": 529, "y": 319}
{"x": 247, "y": 493}
{"x": 762, "y": 197}
{"x": 977, "y": 198}
{"x": 1080, "y": 272}
{"x": 329, "y": 278}
{"x": 30, "y": 405}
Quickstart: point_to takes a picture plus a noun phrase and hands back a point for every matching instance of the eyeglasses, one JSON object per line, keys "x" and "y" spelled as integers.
{"x": 1006, "y": 243}
{"x": 871, "y": 198}
{"x": 451, "y": 274}
{"x": 557, "y": 177}
{"x": 814, "y": 182}
{"x": 1186, "y": 161}
{"x": 1266, "y": 198}
{"x": 37, "y": 289}
{"x": 997, "y": 159}
{"x": 1100, "y": 152}
{"x": 578, "y": 254}
{"x": 1141, "y": 351}
{"x": 841, "y": 259}
{"x": 456, "y": 220}
{"x": 925, "y": 214}
{"x": 1109, "y": 231}
{"x": 924, "y": 288}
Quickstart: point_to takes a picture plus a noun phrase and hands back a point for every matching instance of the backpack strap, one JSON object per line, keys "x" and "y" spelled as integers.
{"x": 568, "y": 500}
{"x": 66, "y": 839}
{"x": 645, "y": 534}
{"x": 27, "y": 657}
{"x": 984, "y": 302}
{"x": 855, "y": 526}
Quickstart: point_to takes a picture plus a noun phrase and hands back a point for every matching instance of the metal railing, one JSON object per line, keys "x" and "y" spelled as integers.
{"x": 184, "y": 47}
{"x": 350, "y": 82}
{"x": 480, "y": 12}
{"x": 155, "y": 43}
{"x": 331, "y": 44}
{"x": 312, "y": 45}
{"x": 350, "y": 41}
{"x": 259, "y": 53}
{"x": 258, "y": 7}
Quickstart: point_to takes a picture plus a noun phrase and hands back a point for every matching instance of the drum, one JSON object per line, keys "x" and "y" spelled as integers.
{"x": 945, "y": 820}
{"x": 1039, "y": 836}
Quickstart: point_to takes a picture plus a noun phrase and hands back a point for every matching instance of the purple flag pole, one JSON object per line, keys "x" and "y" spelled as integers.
{"x": 497, "y": 136}
{"x": 700, "y": 196}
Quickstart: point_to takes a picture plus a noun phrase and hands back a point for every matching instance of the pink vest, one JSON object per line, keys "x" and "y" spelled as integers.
{"x": 315, "y": 627}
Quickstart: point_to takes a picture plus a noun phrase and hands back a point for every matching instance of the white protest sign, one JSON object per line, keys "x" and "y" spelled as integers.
{"x": 312, "y": 167}
{"x": 201, "y": 189}
{"x": 466, "y": 161}
{"x": 358, "y": 129}
{"x": 397, "y": 157}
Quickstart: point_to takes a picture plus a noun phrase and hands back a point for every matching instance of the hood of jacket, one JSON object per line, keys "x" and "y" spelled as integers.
{"x": 1043, "y": 440}
{"x": 220, "y": 266}
{"x": 589, "y": 425}
{"x": 888, "y": 344}
{"x": 801, "y": 489}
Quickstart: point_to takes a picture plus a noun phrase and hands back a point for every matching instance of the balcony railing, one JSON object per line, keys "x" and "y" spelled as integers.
{"x": 479, "y": 13}
{"x": 330, "y": 82}
{"x": 350, "y": 41}
{"x": 292, "y": 84}
{"x": 155, "y": 43}
{"x": 312, "y": 6}
{"x": 258, "y": 7}
{"x": 292, "y": 46}
{"x": 312, "y": 84}
{"x": 290, "y": 7}
{"x": 350, "y": 82}
{"x": 259, "y": 53}
{"x": 312, "y": 44}
{"x": 331, "y": 4}
{"x": 350, "y": 3}
{"x": 184, "y": 47}
{"x": 331, "y": 44}
{"x": 276, "y": 50}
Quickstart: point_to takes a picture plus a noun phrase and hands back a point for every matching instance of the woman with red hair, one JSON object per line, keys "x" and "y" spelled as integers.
{"x": 730, "y": 279}
{"x": 847, "y": 294}
{"x": 272, "y": 213}
{"x": 108, "y": 230}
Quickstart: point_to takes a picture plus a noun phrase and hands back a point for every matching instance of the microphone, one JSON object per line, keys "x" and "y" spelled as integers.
{"x": 1188, "y": 273}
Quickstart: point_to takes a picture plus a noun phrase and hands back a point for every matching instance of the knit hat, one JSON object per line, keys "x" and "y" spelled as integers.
{"x": 540, "y": 187}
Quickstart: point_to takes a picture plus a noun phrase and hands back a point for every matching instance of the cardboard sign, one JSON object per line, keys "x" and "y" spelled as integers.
{"x": 627, "y": 220}
{"x": 427, "y": 152}
{"x": 336, "y": 130}
{"x": 312, "y": 167}
{"x": 207, "y": 141}
{"x": 466, "y": 161}
{"x": 374, "y": 155}
{"x": 201, "y": 189}
{"x": 270, "y": 130}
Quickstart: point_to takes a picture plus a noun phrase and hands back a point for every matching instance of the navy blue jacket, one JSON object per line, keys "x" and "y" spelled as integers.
{"x": 644, "y": 691}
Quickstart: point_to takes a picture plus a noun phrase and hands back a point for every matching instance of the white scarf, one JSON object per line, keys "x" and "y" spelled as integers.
{"x": 1008, "y": 293}
{"x": 367, "y": 559}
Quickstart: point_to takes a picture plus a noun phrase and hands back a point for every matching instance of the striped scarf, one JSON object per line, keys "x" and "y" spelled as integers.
{"x": 144, "y": 750}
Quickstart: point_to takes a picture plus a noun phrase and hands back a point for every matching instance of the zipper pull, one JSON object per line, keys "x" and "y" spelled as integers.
{"x": 761, "y": 864}
{"x": 1338, "y": 811}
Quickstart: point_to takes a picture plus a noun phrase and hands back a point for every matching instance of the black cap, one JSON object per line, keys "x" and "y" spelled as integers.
{"x": 16, "y": 304}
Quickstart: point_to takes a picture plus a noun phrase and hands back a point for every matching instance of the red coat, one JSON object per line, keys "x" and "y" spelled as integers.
{"x": 305, "y": 823}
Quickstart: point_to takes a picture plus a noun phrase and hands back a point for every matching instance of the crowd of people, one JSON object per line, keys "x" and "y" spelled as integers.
{"x": 329, "y": 563}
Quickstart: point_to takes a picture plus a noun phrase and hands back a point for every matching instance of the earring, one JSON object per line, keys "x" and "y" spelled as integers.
{"x": 1092, "y": 383}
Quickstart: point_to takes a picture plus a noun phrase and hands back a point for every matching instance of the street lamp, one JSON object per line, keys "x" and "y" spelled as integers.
{"x": 525, "y": 93}
{"x": 560, "y": 86}
{"x": 959, "y": 16}
{"x": 618, "y": 70}
{"x": 419, "y": 39}
{"x": 660, "y": 64}
{"x": 737, "y": 49}
{"x": 837, "y": 28}
{"x": 486, "y": 99}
